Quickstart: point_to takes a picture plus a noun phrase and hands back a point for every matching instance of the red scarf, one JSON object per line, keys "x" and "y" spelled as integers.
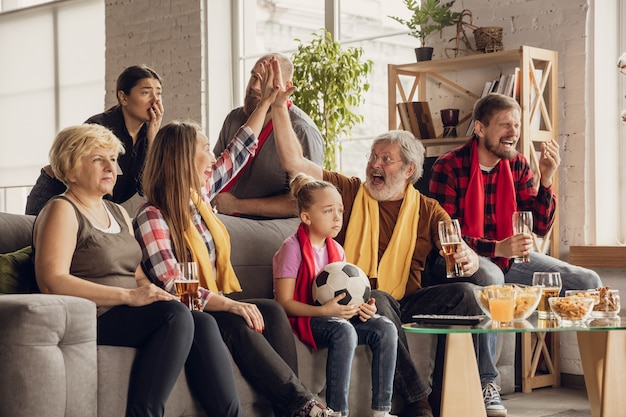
{"x": 306, "y": 274}
{"x": 505, "y": 204}
{"x": 265, "y": 133}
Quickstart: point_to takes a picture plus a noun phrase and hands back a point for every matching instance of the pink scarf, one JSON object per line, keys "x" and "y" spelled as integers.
{"x": 473, "y": 224}
{"x": 306, "y": 274}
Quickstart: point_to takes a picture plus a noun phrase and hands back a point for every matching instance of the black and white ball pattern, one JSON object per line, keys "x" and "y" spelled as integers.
{"x": 341, "y": 277}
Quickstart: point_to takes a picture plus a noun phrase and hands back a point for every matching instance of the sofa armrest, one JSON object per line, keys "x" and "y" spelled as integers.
{"x": 48, "y": 357}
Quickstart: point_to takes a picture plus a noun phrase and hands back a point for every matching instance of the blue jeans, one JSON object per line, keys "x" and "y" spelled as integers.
{"x": 573, "y": 277}
{"x": 341, "y": 337}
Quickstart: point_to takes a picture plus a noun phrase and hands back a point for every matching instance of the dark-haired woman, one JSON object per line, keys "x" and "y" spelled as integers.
{"x": 135, "y": 120}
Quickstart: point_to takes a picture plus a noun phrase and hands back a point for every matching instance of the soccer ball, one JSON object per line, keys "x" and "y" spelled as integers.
{"x": 341, "y": 277}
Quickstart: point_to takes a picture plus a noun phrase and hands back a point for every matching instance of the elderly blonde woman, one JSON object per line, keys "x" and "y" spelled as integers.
{"x": 84, "y": 247}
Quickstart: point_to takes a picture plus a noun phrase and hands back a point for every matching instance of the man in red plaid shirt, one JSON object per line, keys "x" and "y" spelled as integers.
{"x": 482, "y": 182}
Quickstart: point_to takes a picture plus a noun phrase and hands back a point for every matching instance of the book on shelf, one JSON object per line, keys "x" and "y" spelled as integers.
{"x": 421, "y": 120}
{"x": 416, "y": 118}
{"x": 403, "y": 112}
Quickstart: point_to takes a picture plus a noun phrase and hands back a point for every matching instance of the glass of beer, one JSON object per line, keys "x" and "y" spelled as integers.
{"x": 550, "y": 283}
{"x": 450, "y": 238}
{"x": 522, "y": 223}
{"x": 187, "y": 284}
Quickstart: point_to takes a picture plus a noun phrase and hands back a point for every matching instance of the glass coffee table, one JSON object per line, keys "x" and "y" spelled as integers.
{"x": 601, "y": 343}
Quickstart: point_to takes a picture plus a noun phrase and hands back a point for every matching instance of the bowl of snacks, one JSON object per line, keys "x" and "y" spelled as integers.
{"x": 571, "y": 310}
{"x": 526, "y": 299}
{"x": 606, "y": 301}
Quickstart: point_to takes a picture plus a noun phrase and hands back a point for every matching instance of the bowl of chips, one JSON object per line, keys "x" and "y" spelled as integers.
{"x": 526, "y": 300}
{"x": 606, "y": 301}
{"x": 571, "y": 310}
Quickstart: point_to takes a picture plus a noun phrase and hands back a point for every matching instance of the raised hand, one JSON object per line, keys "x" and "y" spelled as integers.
{"x": 549, "y": 161}
{"x": 156, "y": 118}
{"x": 283, "y": 91}
{"x": 267, "y": 78}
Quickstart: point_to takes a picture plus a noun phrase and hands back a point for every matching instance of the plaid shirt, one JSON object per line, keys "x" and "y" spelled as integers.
{"x": 448, "y": 185}
{"x": 153, "y": 233}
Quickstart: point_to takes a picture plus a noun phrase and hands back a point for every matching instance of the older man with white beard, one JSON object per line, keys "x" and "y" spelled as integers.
{"x": 390, "y": 231}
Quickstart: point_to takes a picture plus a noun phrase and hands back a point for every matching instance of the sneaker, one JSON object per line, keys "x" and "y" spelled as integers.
{"x": 493, "y": 402}
{"x": 314, "y": 408}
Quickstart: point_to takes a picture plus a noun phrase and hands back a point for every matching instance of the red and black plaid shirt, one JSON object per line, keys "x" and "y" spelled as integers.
{"x": 448, "y": 185}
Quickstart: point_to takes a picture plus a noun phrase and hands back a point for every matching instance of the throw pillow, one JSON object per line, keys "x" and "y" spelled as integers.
{"x": 17, "y": 272}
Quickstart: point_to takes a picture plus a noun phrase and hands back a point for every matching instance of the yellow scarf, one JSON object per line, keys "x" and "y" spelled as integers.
{"x": 226, "y": 281}
{"x": 361, "y": 244}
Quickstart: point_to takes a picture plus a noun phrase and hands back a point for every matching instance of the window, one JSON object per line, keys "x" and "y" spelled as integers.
{"x": 361, "y": 23}
{"x": 54, "y": 77}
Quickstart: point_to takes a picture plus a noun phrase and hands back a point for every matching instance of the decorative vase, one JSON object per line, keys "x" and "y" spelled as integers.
{"x": 424, "y": 53}
{"x": 450, "y": 119}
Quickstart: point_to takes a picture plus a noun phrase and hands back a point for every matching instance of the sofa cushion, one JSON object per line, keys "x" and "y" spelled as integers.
{"x": 16, "y": 231}
{"x": 17, "y": 272}
{"x": 254, "y": 243}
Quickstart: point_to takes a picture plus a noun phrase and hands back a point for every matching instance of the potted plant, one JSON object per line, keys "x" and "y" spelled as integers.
{"x": 428, "y": 16}
{"x": 330, "y": 84}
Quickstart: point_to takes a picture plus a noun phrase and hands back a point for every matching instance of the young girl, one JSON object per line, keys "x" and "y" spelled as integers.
{"x": 338, "y": 327}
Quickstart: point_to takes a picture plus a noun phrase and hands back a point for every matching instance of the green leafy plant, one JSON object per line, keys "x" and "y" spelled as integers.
{"x": 428, "y": 16}
{"x": 330, "y": 85}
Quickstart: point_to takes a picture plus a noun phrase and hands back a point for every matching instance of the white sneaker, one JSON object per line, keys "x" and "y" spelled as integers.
{"x": 493, "y": 402}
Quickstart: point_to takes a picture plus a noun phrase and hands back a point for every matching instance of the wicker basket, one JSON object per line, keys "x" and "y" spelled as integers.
{"x": 488, "y": 39}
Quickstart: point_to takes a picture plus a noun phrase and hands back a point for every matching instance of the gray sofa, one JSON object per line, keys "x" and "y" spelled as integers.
{"x": 51, "y": 366}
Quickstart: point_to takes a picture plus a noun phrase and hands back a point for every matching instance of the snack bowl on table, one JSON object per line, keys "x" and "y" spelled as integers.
{"x": 526, "y": 299}
{"x": 572, "y": 310}
{"x": 607, "y": 301}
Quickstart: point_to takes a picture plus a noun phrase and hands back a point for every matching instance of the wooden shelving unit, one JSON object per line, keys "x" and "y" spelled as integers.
{"x": 538, "y": 98}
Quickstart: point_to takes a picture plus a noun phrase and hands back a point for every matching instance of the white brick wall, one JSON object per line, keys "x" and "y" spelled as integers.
{"x": 166, "y": 36}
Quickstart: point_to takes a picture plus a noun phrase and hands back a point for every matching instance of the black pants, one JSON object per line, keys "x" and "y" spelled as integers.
{"x": 168, "y": 337}
{"x": 266, "y": 360}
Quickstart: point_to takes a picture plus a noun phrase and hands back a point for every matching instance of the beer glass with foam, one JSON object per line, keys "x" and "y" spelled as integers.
{"x": 450, "y": 238}
{"x": 187, "y": 284}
